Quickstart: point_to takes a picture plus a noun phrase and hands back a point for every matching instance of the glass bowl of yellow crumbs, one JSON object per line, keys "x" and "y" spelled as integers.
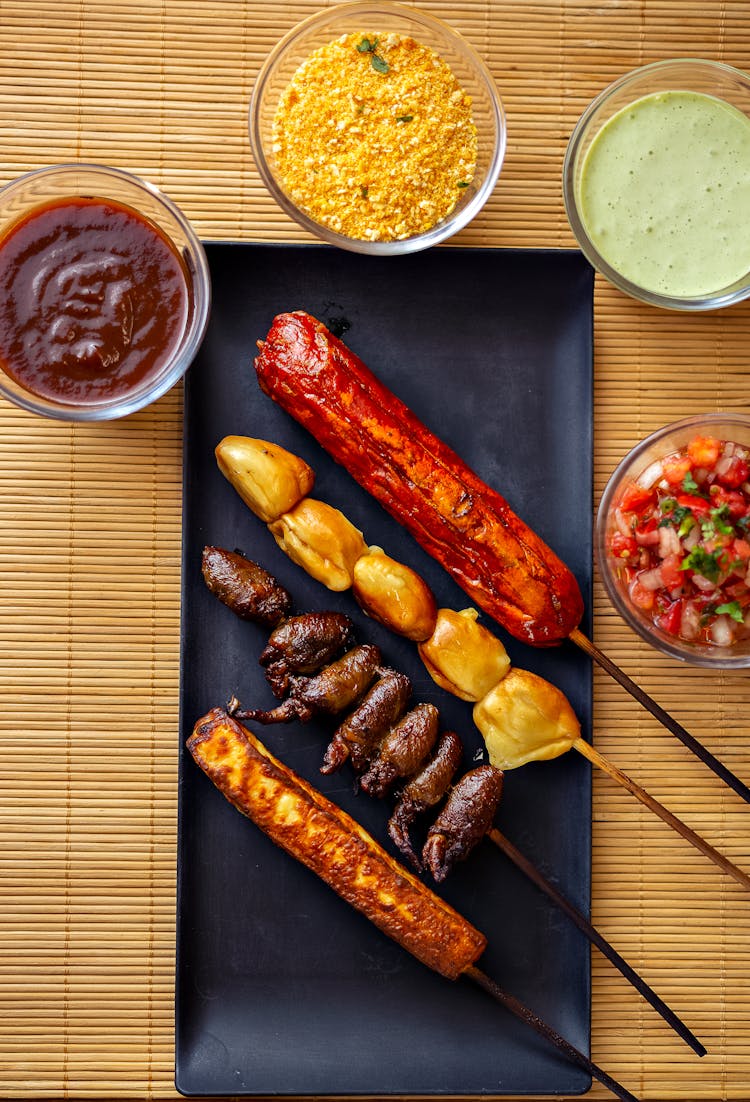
{"x": 377, "y": 128}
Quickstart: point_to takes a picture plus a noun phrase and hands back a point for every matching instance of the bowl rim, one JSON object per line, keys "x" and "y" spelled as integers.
{"x": 442, "y": 230}
{"x": 693, "y": 303}
{"x": 200, "y": 275}
{"x": 704, "y": 656}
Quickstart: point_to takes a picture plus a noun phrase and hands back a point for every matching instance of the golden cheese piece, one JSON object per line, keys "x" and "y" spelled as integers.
{"x": 308, "y": 826}
{"x": 462, "y": 656}
{"x": 269, "y": 479}
{"x": 525, "y": 718}
{"x": 394, "y": 595}
{"x": 321, "y": 540}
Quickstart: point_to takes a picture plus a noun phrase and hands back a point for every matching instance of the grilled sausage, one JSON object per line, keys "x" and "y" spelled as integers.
{"x": 303, "y": 822}
{"x": 469, "y": 528}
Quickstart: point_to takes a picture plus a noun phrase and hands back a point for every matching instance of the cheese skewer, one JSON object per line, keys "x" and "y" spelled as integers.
{"x": 303, "y": 822}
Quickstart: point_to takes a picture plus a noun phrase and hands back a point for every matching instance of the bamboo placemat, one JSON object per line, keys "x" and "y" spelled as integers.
{"x": 90, "y": 549}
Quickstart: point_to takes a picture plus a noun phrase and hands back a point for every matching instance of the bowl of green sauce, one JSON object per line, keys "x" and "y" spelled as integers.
{"x": 656, "y": 184}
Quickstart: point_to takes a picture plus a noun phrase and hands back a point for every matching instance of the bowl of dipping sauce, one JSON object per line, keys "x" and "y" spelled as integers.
{"x": 673, "y": 539}
{"x": 377, "y": 127}
{"x": 104, "y": 292}
{"x": 657, "y": 184}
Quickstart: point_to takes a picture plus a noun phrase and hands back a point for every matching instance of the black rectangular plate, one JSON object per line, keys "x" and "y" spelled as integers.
{"x": 282, "y": 989}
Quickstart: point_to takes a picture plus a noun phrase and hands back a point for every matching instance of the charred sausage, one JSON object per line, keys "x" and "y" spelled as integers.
{"x": 469, "y": 528}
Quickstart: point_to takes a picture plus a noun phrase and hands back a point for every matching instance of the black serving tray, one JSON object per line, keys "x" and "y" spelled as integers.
{"x": 283, "y": 989}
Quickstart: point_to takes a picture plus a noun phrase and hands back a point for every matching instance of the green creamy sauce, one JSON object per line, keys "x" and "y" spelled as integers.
{"x": 664, "y": 193}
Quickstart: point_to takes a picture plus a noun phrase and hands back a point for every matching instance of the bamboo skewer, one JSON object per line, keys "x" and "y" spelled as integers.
{"x": 576, "y": 636}
{"x": 597, "y": 939}
{"x": 645, "y": 798}
{"x": 511, "y": 1003}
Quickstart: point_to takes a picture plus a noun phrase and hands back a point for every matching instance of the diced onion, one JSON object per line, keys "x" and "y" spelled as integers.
{"x": 647, "y": 539}
{"x": 703, "y": 584}
{"x": 690, "y": 621}
{"x": 651, "y": 579}
{"x": 651, "y": 475}
{"x": 722, "y": 631}
{"x": 669, "y": 542}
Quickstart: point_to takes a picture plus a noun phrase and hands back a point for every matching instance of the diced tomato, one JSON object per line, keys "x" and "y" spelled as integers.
{"x": 671, "y": 574}
{"x": 636, "y": 498}
{"x": 671, "y": 619}
{"x": 675, "y": 467}
{"x": 733, "y": 499}
{"x": 642, "y": 598}
{"x": 704, "y": 451}
{"x": 741, "y": 549}
{"x": 736, "y": 473}
{"x": 623, "y": 547}
{"x": 699, "y": 506}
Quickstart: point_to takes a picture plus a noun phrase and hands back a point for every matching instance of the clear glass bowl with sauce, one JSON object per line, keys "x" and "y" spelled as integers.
{"x": 104, "y": 292}
{"x": 656, "y": 182}
{"x": 686, "y": 551}
{"x": 379, "y": 19}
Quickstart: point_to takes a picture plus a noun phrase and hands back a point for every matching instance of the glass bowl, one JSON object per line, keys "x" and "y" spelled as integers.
{"x": 621, "y": 188}
{"x": 640, "y": 470}
{"x": 381, "y": 19}
{"x": 30, "y": 194}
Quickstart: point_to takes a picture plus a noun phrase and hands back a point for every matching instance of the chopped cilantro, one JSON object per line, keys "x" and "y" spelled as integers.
{"x": 364, "y": 191}
{"x": 689, "y": 485}
{"x": 731, "y": 608}
{"x": 720, "y": 518}
{"x": 366, "y": 47}
{"x": 404, "y": 118}
{"x": 462, "y": 183}
{"x": 703, "y": 562}
{"x": 379, "y": 64}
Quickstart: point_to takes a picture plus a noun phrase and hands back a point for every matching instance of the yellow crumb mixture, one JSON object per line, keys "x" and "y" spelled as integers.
{"x": 374, "y": 137}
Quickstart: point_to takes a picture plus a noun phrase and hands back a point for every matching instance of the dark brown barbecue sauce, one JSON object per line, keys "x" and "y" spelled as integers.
{"x": 93, "y": 300}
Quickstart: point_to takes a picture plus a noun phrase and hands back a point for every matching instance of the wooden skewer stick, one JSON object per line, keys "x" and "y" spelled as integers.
{"x": 641, "y": 794}
{"x": 576, "y": 636}
{"x": 597, "y": 939}
{"x": 511, "y": 1003}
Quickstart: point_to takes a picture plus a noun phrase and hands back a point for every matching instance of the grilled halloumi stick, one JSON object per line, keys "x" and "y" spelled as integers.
{"x": 308, "y": 826}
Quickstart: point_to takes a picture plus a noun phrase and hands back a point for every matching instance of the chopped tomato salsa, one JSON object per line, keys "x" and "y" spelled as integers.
{"x": 681, "y": 543}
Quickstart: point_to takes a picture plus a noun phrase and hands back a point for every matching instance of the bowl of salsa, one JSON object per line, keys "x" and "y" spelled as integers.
{"x": 656, "y": 184}
{"x": 673, "y": 539}
{"x": 104, "y": 292}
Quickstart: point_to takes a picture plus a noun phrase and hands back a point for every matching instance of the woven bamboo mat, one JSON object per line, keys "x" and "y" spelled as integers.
{"x": 90, "y": 546}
